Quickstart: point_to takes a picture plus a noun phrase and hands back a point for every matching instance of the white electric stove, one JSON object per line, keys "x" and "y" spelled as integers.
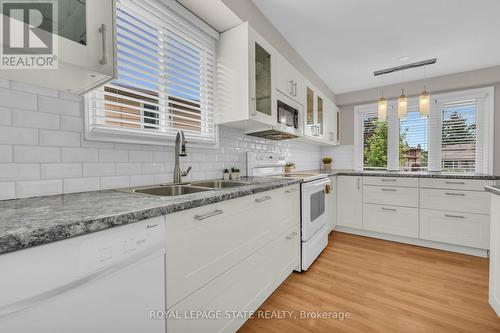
{"x": 314, "y": 191}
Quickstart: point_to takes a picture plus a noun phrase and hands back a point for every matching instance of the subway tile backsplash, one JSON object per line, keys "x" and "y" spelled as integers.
{"x": 43, "y": 150}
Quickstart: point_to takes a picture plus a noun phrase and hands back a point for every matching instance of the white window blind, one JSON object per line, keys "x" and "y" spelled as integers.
{"x": 413, "y": 141}
{"x": 166, "y": 77}
{"x": 458, "y": 136}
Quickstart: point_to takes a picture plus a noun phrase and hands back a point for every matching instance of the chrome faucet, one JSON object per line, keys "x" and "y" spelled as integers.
{"x": 180, "y": 150}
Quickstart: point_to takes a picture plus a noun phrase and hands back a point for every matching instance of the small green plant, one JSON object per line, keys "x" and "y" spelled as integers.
{"x": 234, "y": 169}
{"x": 327, "y": 160}
{"x": 226, "y": 171}
{"x": 290, "y": 164}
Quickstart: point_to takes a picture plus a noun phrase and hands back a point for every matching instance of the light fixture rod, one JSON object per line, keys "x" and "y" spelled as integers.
{"x": 403, "y": 67}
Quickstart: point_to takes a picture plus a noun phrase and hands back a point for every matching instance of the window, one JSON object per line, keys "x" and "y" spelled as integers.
{"x": 413, "y": 147}
{"x": 374, "y": 142}
{"x": 457, "y": 136}
{"x": 165, "y": 80}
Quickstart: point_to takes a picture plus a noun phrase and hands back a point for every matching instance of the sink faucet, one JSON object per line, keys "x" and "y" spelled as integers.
{"x": 180, "y": 150}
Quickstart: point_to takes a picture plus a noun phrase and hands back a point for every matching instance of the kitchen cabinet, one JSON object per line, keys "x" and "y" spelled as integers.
{"x": 230, "y": 256}
{"x": 246, "y": 83}
{"x": 402, "y": 221}
{"x": 289, "y": 80}
{"x": 494, "y": 286}
{"x": 85, "y": 42}
{"x": 350, "y": 201}
{"x": 320, "y": 117}
{"x": 331, "y": 205}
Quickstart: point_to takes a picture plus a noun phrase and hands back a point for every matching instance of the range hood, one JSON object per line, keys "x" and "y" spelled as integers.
{"x": 274, "y": 133}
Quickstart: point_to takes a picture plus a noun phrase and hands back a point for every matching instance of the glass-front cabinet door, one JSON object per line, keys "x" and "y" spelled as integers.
{"x": 263, "y": 88}
{"x": 309, "y": 111}
{"x": 319, "y": 117}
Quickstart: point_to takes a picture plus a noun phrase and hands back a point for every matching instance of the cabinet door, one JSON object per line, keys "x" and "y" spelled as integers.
{"x": 320, "y": 115}
{"x": 330, "y": 133}
{"x": 494, "y": 292}
{"x": 309, "y": 129}
{"x": 86, "y": 34}
{"x": 288, "y": 80}
{"x": 262, "y": 60}
{"x": 332, "y": 205}
{"x": 349, "y": 201}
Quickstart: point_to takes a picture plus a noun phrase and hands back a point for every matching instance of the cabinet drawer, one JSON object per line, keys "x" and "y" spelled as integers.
{"x": 391, "y": 195}
{"x": 455, "y": 228}
{"x": 243, "y": 288}
{"x": 391, "y": 181}
{"x": 455, "y": 184}
{"x": 205, "y": 242}
{"x": 392, "y": 220}
{"x": 454, "y": 200}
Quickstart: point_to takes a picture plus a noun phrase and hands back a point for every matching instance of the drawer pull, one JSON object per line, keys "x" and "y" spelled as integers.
{"x": 455, "y": 183}
{"x": 292, "y": 235}
{"x": 291, "y": 190}
{"x": 102, "y": 31}
{"x": 455, "y": 216}
{"x": 388, "y": 189}
{"x": 263, "y": 199}
{"x": 390, "y": 209}
{"x": 207, "y": 215}
{"x": 388, "y": 180}
{"x": 456, "y": 194}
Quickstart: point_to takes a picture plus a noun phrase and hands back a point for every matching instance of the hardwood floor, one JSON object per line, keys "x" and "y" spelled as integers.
{"x": 386, "y": 287}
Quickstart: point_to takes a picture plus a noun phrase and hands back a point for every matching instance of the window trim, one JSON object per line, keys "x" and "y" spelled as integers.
{"x": 486, "y": 111}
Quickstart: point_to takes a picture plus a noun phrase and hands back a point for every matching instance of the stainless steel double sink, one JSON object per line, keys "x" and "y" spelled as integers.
{"x": 171, "y": 190}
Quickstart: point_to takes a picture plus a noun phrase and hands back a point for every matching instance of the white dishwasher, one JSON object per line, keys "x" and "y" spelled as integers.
{"x": 104, "y": 282}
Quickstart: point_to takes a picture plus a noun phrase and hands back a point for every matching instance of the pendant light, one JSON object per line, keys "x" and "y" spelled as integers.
{"x": 425, "y": 99}
{"x": 402, "y": 105}
{"x": 382, "y": 108}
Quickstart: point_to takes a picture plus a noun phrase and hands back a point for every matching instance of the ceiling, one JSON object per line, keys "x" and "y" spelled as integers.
{"x": 344, "y": 41}
{"x": 212, "y": 12}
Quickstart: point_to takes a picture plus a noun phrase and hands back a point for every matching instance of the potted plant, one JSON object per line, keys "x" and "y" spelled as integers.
{"x": 226, "y": 174}
{"x": 327, "y": 163}
{"x": 289, "y": 166}
{"x": 235, "y": 173}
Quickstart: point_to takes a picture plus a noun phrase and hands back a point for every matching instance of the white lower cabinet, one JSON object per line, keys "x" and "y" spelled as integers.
{"x": 230, "y": 256}
{"x": 455, "y": 200}
{"x": 464, "y": 229}
{"x": 494, "y": 287}
{"x": 350, "y": 201}
{"x": 391, "y": 195}
{"x": 331, "y": 205}
{"x": 243, "y": 288}
{"x": 402, "y": 221}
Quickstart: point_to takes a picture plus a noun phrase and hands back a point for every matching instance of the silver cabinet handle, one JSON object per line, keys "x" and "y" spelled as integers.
{"x": 263, "y": 199}
{"x": 291, "y": 87}
{"x": 455, "y": 216}
{"x": 292, "y": 235}
{"x": 388, "y": 189}
{"x": 454, "y": 183}
{"x": 456, "y": 194}
{"x": 294, "y": 86}
{"x": 389, "y": 209}
{"x": 388, "y": 180}
{"x": 207, "y": 215}
{"x": 102, "y": 30}
{"x": 291, "y": 190}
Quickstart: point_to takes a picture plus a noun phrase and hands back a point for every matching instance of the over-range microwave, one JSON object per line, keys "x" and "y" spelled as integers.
{"x": 288, "y": 115}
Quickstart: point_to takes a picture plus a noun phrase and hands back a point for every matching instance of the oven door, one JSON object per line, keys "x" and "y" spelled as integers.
{"x": 313, "y": 207}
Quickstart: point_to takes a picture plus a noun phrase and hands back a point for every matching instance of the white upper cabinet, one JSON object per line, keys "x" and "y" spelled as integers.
{"x": 246, "y": 85}
{"x": 84, "y": 45}
{"x": 290, "y": 81}
{"x": 320, "y": 117}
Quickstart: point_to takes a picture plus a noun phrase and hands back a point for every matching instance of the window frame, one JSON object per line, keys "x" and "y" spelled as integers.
{"x": 484, "y": 122}
{"x": 166, "y": 135}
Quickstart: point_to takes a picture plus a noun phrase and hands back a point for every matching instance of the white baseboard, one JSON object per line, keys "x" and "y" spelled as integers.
{"x": 419, "y": 242}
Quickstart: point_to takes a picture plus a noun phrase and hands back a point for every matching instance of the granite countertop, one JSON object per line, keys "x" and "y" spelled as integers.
{"x": 30, "y": 222}
{"x": 493, "y": 189}
{"x": 417, "y": 174}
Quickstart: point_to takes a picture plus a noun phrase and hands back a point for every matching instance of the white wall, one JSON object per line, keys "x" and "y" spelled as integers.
{"x": 43, "y": 151}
